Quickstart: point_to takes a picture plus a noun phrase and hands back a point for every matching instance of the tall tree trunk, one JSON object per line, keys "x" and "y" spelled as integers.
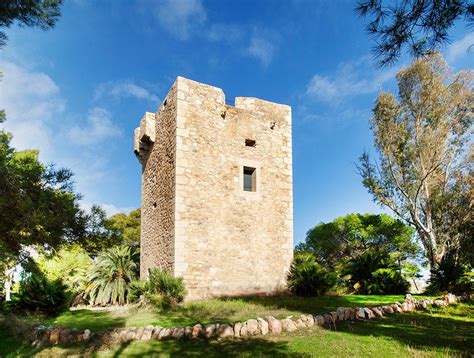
{"x": 7, "y": 280}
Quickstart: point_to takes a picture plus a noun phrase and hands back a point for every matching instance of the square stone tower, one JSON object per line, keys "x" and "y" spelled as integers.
{"x": 217, "y": 199}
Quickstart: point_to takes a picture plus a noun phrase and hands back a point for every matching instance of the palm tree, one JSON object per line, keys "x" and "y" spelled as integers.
{"x": 111, "y": 275}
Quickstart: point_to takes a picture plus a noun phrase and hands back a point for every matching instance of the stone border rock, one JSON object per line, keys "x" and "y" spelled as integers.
{"x": 44, "y": 336}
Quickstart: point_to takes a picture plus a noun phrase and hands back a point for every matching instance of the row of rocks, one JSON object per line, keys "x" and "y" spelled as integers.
{"x": 252, "y": 327}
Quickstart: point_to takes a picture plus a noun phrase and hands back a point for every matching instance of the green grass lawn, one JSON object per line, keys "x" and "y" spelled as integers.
{"x": 437, "y": 332}
{"x": 216, "y": 310}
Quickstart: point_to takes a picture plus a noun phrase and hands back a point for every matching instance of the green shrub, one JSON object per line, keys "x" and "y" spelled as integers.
{"x": 70, "y": 264}
{"x": 170, "y": 289}
{"x": 112, "y": 272}
{"x": 38, "y": 294}
{"x": 374, "y": 273}
{"x": 137, "y": 289}
{"x": 451, "y": 276}
{"x": 309, "y": 278}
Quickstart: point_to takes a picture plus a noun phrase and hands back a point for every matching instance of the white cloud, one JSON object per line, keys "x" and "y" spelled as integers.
{"x": 350, "y": 79}
{"x": 461, "y": 48}
{"x": 31, "y": 100}
{"x": 181, "y": 17}
{"x": 225, "y": 32}
{"x": 99, "y": 127}
{"x": 262, "y": 49}
{"x": 121, "y": 89}
{"x": 109, "y": 209}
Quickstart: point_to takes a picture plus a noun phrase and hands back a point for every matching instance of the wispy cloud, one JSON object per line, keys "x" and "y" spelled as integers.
{"x": 262, "y": 48}
{"x": 180, "y": 17}
{"x": 38, "y": 117}
{"x": 460, "y": 48}
{"x": 31, "y": 100}
{"x": 350, "y": 79}
{"x": 99, "y": 127}
{"x": 122, "y": 89}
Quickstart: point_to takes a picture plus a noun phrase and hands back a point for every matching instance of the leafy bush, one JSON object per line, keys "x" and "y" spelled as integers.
{"x": 451, "y": 276}
{"x": 170, "y": 290}
{"x": 137, "y": 289}
{"x": 112, "y": 272}
{"x": 70, "y": 264}
{"x": 309, "y": 278}
{"x": 374, "y": 273}
{"x": 38, "y": 294}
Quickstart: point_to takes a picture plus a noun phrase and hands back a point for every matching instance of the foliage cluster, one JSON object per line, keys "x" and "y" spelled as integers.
{"x": 425, "y": 167}
{"x": 112, "y": 272}
{"x": 308, "y": 278}
{"x": 39, "y": 294}
{"x": 364, "y": 254}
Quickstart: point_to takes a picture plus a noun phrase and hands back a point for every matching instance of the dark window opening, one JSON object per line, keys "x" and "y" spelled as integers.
{"x": 250, "y": 179}
{"x": 250, "y": 143}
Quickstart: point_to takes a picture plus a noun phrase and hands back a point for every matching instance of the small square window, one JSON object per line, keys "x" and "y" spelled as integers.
{"x": 250, "y": 143}
{"x": 250, "y": 179}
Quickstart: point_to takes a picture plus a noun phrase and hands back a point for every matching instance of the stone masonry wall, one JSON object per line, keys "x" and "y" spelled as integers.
{"x": 158, "y": 191}
{"x": 229, "y": 241}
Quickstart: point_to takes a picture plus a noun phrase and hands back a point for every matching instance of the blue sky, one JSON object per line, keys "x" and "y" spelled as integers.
{"x": 77, "y": 92}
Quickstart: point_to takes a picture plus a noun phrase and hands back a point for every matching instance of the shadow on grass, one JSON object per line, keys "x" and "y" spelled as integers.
{"x": 87, "y": 319}
{"x": 421, "y": 330}
{"x": 225, "y": 348}
{"x": 315, "y": 305}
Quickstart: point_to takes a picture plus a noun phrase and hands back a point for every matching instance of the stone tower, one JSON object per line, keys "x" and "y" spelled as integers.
{"x": 217, "y": 204}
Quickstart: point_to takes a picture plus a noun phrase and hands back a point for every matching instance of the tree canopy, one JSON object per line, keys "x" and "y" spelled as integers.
{"x": 126, "y": 227}
{"x": 348, "y": 236}
{"x": 420, "y": 25}
{"x": 31, "y": 13}
{"x": 425, "y": 169}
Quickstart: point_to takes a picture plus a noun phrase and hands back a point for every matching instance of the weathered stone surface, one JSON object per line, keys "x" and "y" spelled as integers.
{"x": 288, "y": 325}
{"x": 308, "y": 320}
{"x": 274, "y": 325}
{"x": 147, "y": 333}
{"x": 164, "y": 333}
{"x": 328, "y": 319}
{"x": 225, "y": 331}
{"x": 347, "y": 314}
{"x": 405, "y": 307}
{"x": 360, "y": 313}
{"x": 237, "y": 328}
{"x": 252, "y": 327}
{"x": 138, "y": 332}
{"x": 387, "y": 310}
{"x": 199, "y": 143}
{"x": 130, "y": 335}
{"x": 378, "y": 313}
{"x": 197, "y": 331}
{"x": 178, "y": 333}
{"x": 353, "y": 313}
{"x": 368, "y": 313}
{"x": 334, "y": 315}
{"x": 87, "y": 335}
{"x": 340, "y": 313}
{"x": 243, "y": 329}
{"x": 156, "y": 332}
{"x": 210, "y": 330}
{"x": 450, "y": 298}
{"x": 319, "y": 319}
{"x": 439, "y": 303}
{"x": 299, "y": 323}
{"x": 262, "y": 326}
{"x": 188, "y": 330}
{"x": 53, "y": 335}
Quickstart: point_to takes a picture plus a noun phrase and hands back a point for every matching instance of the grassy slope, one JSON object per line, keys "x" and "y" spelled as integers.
{"x": 218, "y": 310}
{"x": 448, "y": 332}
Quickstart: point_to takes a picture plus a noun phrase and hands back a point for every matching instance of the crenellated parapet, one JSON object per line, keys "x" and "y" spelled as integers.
{"x": 144, "y": 136}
